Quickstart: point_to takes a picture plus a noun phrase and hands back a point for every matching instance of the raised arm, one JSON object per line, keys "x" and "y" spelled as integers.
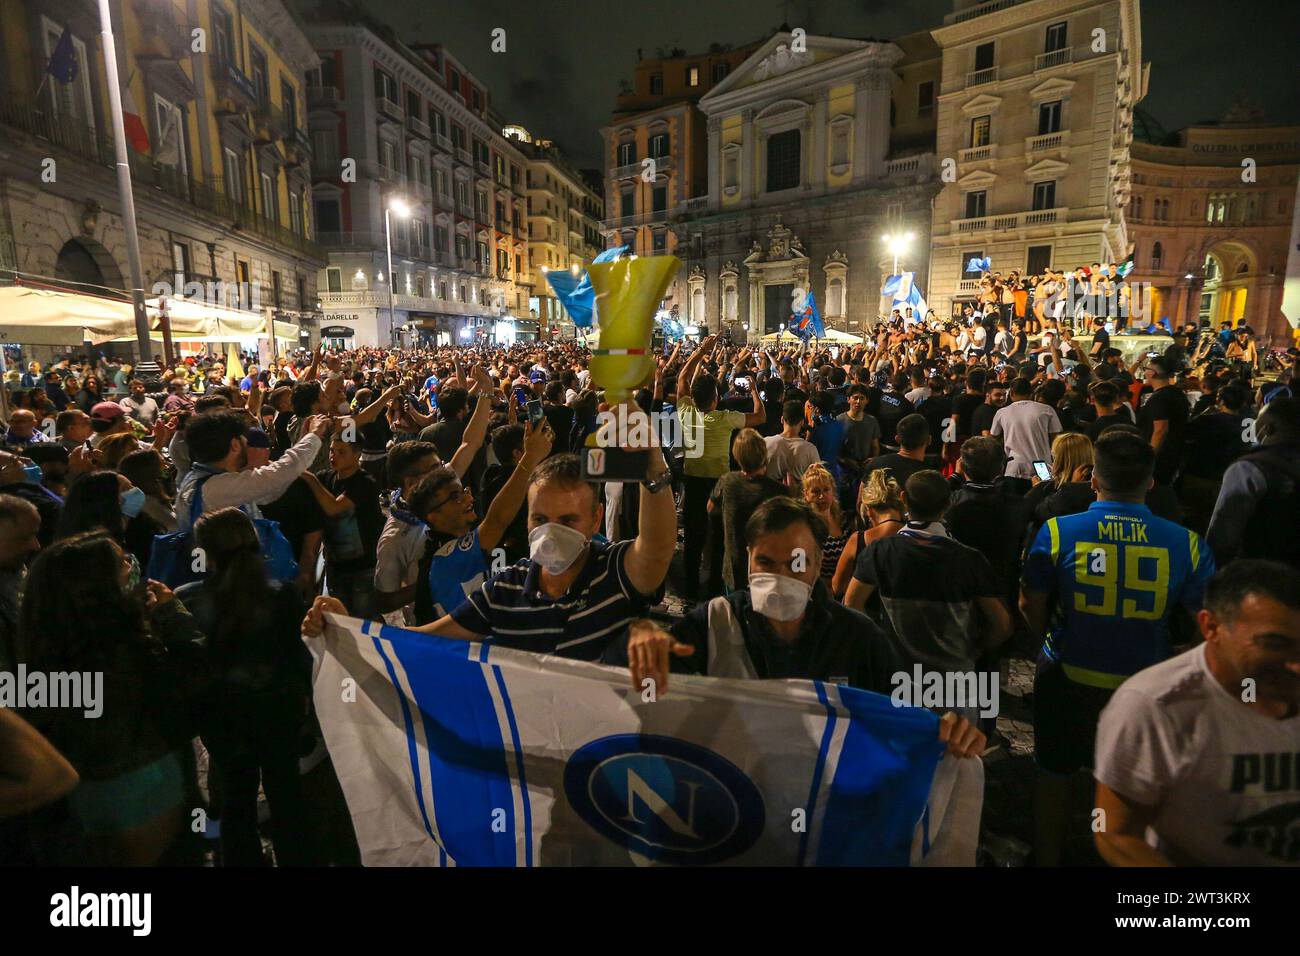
{"x": 506, "y": 504}
{"x": 472, "y": 440}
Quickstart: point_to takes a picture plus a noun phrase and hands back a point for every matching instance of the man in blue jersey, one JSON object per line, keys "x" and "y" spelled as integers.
{"x": 458, "y": 549}
{"x": 1100, "y": 586}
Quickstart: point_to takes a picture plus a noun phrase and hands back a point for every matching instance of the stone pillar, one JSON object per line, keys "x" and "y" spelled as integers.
{"x": 715, "y": 163}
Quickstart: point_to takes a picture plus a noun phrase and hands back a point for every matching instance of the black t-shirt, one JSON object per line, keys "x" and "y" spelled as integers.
{"x": 363, "y": 492}
{"x": 298, "y": 513}
{"x": 1094, "y": 428}
{"x": 376, "y": 434}
{"x": 1214, "y": 441}
{"x": 1167, "y": 403}
{"x": 900, "y": 467}
{"x": 1100, "y": 341}
{"x": 936, "y": 410}
{"x": 963, "y": 407}
{"x": 981, "y": 419}
{"x": 992, "y": 520}
{"x": 893, "y": 408}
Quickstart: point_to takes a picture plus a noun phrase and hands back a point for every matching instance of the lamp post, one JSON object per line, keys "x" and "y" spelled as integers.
{"x": 397, "y": 206}
{"x": 146, "y": 367}
{"x": 896, "y": 244}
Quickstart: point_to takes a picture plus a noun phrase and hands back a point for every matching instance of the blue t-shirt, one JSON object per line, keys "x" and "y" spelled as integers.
{"x": 457, "y": 570}
{"x": 1114, "y": 574}
{"x": 431, "y": 383}
{"x": 828, "y": 436}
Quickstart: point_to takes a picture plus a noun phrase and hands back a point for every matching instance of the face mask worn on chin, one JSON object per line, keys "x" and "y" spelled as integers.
{"x": 779, "y": 597}
{"x": 132, "y": 502}
{"x": 555, "y": 546}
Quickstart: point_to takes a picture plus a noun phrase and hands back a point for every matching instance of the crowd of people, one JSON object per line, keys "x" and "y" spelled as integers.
{"x": 945, "y": 495}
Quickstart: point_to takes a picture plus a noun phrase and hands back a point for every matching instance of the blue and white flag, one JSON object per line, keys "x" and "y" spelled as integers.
{"x": 462, "y": 754}
{"x": 980, "y": 265}
{"x": 905, "y": 293}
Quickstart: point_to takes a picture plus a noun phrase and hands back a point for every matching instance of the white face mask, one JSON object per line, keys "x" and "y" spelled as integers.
{"x": 779, "y": 597}
{"x": 555, "y": 546}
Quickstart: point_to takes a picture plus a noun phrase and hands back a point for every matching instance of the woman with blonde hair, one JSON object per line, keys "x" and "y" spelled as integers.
{"x": 882, "y": 514}
{"x": 1072, "y": 457}
{"x": 819, "y": 493}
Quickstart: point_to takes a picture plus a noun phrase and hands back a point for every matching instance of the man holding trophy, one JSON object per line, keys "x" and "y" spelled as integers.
{"x": 573, "y": 595}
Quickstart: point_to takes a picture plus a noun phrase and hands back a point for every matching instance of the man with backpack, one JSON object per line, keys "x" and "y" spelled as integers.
{"x": 218, "y": 446}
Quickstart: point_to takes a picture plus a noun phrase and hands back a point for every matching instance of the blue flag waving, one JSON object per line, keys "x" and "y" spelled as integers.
{"x": 465, "y": 754}
{"x": 809, "y": 321}
{"x": 575, "y": 292}
{"x": 63, "y": 61}
{"x": 980, "y": 265}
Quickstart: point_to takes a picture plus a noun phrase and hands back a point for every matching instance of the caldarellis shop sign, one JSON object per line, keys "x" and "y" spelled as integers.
{"x": 337, "y": 332}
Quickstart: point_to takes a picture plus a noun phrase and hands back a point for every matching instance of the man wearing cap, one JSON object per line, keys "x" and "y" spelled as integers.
{"x": 218, "y": 445}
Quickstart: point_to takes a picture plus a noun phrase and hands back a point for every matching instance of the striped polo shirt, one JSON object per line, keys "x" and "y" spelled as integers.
{"x": 511, "y": 610}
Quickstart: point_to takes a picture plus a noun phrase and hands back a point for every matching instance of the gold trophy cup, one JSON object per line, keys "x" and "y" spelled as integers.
{"x": 628, "y": 292}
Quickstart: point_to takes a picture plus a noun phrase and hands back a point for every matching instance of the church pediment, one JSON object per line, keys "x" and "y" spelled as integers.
{"x": 778, "y": 57}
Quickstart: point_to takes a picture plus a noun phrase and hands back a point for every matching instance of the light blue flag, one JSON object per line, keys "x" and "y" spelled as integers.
{"x": 980, "y": 265}
{"x": 463, "y": 754}
{"x": 575, "y": 292}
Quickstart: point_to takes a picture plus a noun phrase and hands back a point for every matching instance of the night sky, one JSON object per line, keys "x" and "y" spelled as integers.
{"x": 564, "y": 58}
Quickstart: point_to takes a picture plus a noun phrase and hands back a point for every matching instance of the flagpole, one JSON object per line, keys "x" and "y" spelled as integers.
{"x": 146, "y": 367}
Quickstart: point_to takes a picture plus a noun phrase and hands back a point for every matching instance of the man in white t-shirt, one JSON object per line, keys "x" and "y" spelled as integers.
{"x": 1196, "y": 760}
{"x": 1026, "y": 428}
{"x": 788, "y": 454}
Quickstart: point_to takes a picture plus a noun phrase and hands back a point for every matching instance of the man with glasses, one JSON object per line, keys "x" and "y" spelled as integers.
{"x": 458, "y": 554}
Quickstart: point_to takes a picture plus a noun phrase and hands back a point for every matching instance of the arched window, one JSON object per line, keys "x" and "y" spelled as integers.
{"x": 1157, "y": 254}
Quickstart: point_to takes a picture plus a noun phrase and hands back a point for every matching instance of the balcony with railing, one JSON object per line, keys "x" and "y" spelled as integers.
{"x": 162, "y": 32}
{"x": 326, "y": 167}
{"x": 628, "y": 171}
{"x": 462, "y": 154}
{"x": 979, "y": 77}
{"x": 418, "y": 127}
{"x": 322, "y": 97}
{"x": 970, "y": 13}
{"x": 977, "y": 154}
{"x": 442, "y": 141}
{"x": 154, "y": 181}
{"x": 388, "y": 108}
{"x": 233, "y": 85}
{"x": 1045, "y": 61}
{"x": 921, "y": 164}
{"x": 1047, "y": 142}
{"x": 1010, "y": 221}
{"x": 482, "y": 166}
{"x": 271, "y": 122}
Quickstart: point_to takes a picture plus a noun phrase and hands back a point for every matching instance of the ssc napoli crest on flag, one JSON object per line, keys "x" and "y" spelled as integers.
{"x": 669, "y": 800}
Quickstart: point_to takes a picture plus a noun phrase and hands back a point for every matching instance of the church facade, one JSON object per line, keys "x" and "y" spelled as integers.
{"x": 802, "y": 189}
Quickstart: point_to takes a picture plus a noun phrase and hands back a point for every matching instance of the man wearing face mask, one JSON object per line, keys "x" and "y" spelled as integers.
{"x": 572, "y": 595}
{"x": 785, "y": 625}
{"x": 21, "y": 478}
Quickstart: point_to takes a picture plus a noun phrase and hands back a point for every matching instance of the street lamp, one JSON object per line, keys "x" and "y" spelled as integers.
{"x": 400, "y": 208}
{"x": 896, "y": 244}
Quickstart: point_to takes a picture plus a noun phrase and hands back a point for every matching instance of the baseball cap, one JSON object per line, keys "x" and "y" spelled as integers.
{"x": 537, "y": 375}
{"x": 107, "y": 412}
